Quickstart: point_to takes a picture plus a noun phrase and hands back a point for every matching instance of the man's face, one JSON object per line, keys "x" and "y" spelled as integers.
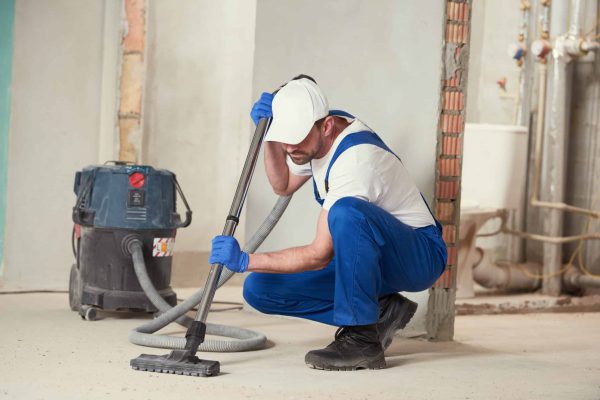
{"x": 307, "y": 149}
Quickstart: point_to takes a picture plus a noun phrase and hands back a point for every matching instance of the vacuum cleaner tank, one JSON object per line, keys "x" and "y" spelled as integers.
{"x": 116, "y": 204}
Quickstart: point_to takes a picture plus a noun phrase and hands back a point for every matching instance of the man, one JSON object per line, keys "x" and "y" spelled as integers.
{"x": 375, "y": 234}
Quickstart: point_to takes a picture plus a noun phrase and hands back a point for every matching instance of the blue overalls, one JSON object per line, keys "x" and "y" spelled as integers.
{"x": 374, "y": 255}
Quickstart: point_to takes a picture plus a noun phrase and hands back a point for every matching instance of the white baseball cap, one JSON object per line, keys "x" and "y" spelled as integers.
{"x": 296, "y": 107}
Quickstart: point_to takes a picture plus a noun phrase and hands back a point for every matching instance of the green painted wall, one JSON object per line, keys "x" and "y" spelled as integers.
{"x": 7, "y": 18}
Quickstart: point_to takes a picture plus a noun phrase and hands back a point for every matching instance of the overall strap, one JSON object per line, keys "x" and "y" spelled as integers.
{"x": 354, "y": 139}
{"x": 340, "y": 113}
{"x": 358, "y": 138}
{"x": 316, "y": 191}
{"x": 333, "y": 113}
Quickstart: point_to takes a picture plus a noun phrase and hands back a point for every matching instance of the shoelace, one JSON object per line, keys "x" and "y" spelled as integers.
{"x": 343, "y": 334}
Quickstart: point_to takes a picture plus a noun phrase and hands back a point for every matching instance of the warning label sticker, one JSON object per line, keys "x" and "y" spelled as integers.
{"x": 163, "y": 247}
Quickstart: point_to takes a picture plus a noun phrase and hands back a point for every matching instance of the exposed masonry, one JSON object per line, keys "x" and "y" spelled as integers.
{"x": 440, "y": 317}
{"x": 132, "y": 81}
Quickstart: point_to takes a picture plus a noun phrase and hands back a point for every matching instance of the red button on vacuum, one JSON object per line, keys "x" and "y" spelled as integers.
{"x": 136, "y": 180}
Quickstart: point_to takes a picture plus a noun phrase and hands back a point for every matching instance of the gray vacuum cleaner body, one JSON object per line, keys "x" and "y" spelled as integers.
{"x": 116, "y": 204}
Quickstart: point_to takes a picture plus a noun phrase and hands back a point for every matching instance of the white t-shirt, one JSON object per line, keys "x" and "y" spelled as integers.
{"x": 370, "y": 173}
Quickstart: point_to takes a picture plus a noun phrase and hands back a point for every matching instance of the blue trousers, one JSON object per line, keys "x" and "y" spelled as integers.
{"x": 374, "y": 255}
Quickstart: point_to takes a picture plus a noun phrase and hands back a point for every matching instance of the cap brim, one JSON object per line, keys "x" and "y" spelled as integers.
{"x": 288, "y": 131}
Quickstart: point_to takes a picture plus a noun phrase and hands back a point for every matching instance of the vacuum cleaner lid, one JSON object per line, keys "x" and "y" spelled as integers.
{"x": 128, "y": 196}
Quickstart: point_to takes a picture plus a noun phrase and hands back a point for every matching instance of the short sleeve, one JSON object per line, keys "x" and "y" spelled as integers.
{"x": 300, "y": 170}
{"x": 350, "y": 179}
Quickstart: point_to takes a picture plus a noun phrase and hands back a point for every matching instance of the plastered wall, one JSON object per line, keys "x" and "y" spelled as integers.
{"x": 56, "y": 80}
{"x": 196, "y": 99}
{"x": 370, "y": 61}
{"x": 379, "y": 60}
{"x": 206, "y": 62}
{"x": 196, "y": 109}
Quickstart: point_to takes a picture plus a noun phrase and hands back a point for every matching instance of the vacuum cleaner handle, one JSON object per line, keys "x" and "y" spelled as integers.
{"x": 234, "y": 214}
{"x": 188, "y": 211}
{"x": 196, "y": 331}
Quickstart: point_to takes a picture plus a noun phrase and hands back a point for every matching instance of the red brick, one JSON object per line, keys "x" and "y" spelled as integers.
{"x": 135, "y": 11}
{"x": 449, "y": 167}
{"x": 446, "y": 190}
{"x": 449, "y": 234}
{"x": 445, "y": 281}
{"x": 445, "y": 211}
{"x": 132, "y": 77}
{"x": 452, "y": 255}
{"x": 451, "y": 145}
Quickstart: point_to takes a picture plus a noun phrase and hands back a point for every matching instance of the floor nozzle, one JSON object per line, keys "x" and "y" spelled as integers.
{"x": 178, "y": 362}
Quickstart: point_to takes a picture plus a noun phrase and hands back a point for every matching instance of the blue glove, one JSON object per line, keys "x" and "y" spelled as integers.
{"x": 226, "y": 251}
{"x": 262, "y": 108}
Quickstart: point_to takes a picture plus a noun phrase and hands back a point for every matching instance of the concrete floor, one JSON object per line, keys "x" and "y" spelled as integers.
{"x": 48, "y": 352}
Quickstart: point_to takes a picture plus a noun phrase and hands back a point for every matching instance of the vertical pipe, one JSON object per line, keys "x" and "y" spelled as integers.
{"x": 555, "y": 143}
{"x": 7, "y": 17}
{"x": 531, "y": 114}
{"x": 575, "y": 18}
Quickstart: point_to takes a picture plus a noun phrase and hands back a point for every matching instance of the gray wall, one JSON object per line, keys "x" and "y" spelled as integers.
{"x": 207, "y": 61}
{"x": 379, "y": 60}
{"x": 197, "y": 99}
{"x": 196, "y": 102}
{"x": 53, "y": 131}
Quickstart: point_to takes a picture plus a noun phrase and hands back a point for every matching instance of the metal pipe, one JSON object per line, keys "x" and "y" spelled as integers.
{"x": 539, "y": 139}
{"x": 234, "y": 214}
{"x": 539, "y": 131}
{"x": 507, "y": 276}
{"x": 575, "y": 280}
{"x": 555, "y": 135}
{"x": 575, "y": 20}
{"x": 545, "y": 19}
{"x": 552, "y": 239}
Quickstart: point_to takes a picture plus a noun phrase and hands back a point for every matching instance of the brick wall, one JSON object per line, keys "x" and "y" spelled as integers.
{"x": 451, "y": 126}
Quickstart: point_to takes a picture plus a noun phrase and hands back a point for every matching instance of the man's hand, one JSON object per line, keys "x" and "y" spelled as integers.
{"x": 226, "y": 251}
{"x": 262, "y": 108}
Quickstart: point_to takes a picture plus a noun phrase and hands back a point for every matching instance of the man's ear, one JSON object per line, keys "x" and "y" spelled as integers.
{"x": 328, "y": 125}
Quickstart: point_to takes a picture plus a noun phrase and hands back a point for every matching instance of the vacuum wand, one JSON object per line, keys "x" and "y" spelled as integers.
{"x": 185, "y": 362}
{"x": 234, "y": 215}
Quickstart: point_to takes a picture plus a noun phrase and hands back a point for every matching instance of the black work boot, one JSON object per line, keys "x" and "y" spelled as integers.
{"x": 354, "y": 347}
{"x": 395, "y": 311}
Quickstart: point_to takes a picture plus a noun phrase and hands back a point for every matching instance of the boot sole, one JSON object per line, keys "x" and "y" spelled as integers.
{"x": 408, "y": 311}
{"x": 374, "y": 364}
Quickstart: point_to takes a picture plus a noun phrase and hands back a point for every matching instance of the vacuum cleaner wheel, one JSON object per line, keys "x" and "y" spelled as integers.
{"x": 74, "y": 289}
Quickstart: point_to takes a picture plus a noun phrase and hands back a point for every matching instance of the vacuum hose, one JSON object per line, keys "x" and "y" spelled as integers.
{"x": 245, "y": 338}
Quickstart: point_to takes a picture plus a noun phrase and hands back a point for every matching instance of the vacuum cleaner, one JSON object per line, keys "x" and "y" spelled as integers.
{"x": 119, "y": 204}
{"x": 126, "y": 220}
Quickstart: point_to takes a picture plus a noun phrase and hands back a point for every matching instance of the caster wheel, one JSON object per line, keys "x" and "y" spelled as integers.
{"x": 74, "y": 289}
{"x": 88, "y": 313}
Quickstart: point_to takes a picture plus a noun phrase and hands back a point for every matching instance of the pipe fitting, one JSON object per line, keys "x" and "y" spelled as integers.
{"x": 127, "y": 244}
{"x": 506, "y": 276}
{"x": 575, "y": 281}
{"x": 541, "y": 48}
{"x": 517, "y": 52}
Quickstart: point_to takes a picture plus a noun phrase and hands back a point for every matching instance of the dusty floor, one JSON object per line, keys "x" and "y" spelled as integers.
{"x": 48, "y": 352}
